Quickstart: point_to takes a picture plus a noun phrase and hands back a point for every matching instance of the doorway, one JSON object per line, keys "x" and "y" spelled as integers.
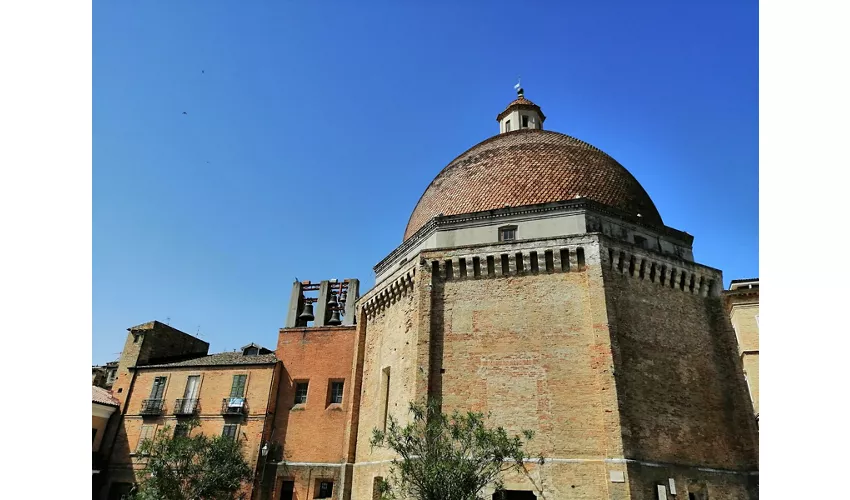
{"x": 287, "y": 490}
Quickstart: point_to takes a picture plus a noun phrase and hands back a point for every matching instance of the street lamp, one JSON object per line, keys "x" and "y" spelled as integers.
{"x": 265, "y": 449}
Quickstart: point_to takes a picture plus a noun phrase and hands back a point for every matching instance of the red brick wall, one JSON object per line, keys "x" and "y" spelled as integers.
{"x": 314, "y": 432}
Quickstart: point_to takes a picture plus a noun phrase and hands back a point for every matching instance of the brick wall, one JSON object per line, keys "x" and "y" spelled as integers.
{"x": 744, "y": 310}
{"x": 313, "y": 432}
{"x": 215, "y": 385}
{"x": 391, "y": 334}
{"x": 615, "y": 371}
{"x": 149, "y": 342}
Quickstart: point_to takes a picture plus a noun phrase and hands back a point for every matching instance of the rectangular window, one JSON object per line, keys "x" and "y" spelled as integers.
{"x": 229, "y": 430}
{"x": 507, "y": 233}
{"x": 237, "y": 390}
{"x": 181, "y": 430}
{"x": 158, "y": 388}
{"x": 336, "y": 392}
{"x": 325, "y": 489}
{"x": 301, "y": 392}
{"x": 640, "y": 241}
{"x": 524, "y": 121}
{"x": 146, "y": 433}
{"x": 508, "y": 126}
{"x": 376, "y": 487}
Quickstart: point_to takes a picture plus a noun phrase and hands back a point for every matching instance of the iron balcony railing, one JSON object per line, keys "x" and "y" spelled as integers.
{"x": 185, "y": 406}
{"x": 152, "y": 406}
{"x": 234, "y": 406}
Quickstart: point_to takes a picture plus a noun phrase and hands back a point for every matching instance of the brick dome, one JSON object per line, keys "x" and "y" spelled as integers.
{"x": 526, "y": 167}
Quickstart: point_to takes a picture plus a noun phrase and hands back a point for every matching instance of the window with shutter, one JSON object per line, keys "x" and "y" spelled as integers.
{"x": 158, "y": 388}
{"x": 146, "y": 433}
{"x": 229, "y": 431}
{"x": 237, "y": 390}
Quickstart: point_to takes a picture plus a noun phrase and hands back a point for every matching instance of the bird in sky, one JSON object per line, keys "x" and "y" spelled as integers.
{"x": 185, "y": 113}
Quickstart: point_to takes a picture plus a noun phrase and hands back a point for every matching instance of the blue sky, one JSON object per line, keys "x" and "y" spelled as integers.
{"x": 312, "y": 128}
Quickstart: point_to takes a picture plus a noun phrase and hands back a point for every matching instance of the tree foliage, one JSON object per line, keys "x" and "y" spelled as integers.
{"x": 191, "y": 467}
{"x": 448, "y": 457}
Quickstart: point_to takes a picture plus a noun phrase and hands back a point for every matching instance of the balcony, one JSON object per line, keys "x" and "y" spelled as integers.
{"x": 152, "y": 407}
{"x": 186, "y": 407}
{"x": 234, "y": 406}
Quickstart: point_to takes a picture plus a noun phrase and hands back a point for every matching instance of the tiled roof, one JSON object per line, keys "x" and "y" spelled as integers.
{"x": 526, "y": 167}
{"x": 220, "y": 359}
{"x": 103, "y": 396}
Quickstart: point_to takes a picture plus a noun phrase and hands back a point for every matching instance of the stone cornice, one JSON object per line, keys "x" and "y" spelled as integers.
{"x": 578, "y": 204}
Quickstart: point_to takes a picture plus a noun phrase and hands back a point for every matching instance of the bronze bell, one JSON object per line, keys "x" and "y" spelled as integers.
{"x": 307, "y": 314}
{"x": 334, "y": 321}
{"x": 333, "y": 302}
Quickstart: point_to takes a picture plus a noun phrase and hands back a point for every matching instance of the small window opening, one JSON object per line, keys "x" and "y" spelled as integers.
{"x": 632, "y": 265}
{"x": 683, "y": 281}
{"x": 385, "y": 394}
{"x": 693, "y": 283}
{"x": 229, "y": 431}
{"x": 476, "y": 267}
{"x": 301, "y": 392}
{"x": 565, "y": 260}
{"x": 520, "y": 265}
{"x": 506, "y": 268}
{"x": 621, "y": 262}
{"x": 491, "y": 265}
{"x": 640, "y": 241}
{"x": 181, "y": 430}
{"x": 377, "y": 483}
{"x": 535, "y": 266}
{"x": 652, "y": 270}
{"x": 524, "y": 121}
{"x": 610, "y": 257}
{"x": 335, "y": 392}
{"x": 508, "y": 126}
{"x": 462, "y": 266}
{"x": 435, "y": 269}
{"x": 549, "y": 257}
{"x": 642, "y": 272}
{"x": 507, "y": 233}
{"x": 663, "y": 275}
{"x": 325, "y": 489}
{"x": 449, "y": 269}
{"x": 580, "y": 259}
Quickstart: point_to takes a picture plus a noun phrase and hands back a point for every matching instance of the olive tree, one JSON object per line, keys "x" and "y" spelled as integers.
{"x": 448, "y": 457}
{"x": 191, "y": 467}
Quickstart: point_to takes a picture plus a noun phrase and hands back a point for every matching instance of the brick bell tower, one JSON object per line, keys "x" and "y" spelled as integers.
{"x": 318, "y": 393}
{"x": 537, "y": 281}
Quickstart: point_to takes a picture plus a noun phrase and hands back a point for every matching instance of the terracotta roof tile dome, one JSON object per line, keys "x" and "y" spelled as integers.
{"x": 527, "y": 167}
